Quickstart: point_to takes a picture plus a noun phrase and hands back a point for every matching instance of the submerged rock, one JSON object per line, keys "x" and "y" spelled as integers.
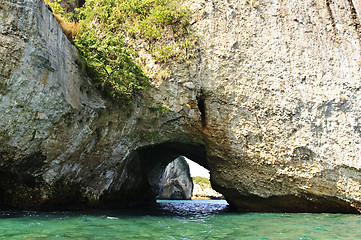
{"x": 176, "y": 183}
{"x": 270, "y": 104}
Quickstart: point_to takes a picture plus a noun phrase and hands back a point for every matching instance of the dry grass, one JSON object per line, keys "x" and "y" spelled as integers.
{"x": 70, "y": 28}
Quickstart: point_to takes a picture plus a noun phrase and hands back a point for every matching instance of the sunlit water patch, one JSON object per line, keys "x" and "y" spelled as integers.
{"x": 177, "y": 220}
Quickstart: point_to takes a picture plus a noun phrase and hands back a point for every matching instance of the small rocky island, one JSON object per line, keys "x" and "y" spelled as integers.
{"x": 202, "y": 189}
{"x": 177, "y": 183}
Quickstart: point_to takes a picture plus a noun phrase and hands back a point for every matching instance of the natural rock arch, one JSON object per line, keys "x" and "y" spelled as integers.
{"x": 147, "y": 165}
{"x": 270, "y": 102}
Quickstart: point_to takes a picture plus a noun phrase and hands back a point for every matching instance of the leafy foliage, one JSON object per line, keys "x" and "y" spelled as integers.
{"x": 161, "y": 108}
{"x": 106, "y": 24}
{"x": 109, "y": 31}
{"x": 112, "y": 64}
{"x": 201, "y": 181}
{"x": 55, "y": 6}
{"x": 159, "y": 22}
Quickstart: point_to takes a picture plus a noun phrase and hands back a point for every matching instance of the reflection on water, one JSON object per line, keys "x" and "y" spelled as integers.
{"x": 193, "y": 220}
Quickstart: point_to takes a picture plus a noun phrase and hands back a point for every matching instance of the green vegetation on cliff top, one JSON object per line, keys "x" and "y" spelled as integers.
{"x": 201, "y": 181}
{"x": 109, "y": 33}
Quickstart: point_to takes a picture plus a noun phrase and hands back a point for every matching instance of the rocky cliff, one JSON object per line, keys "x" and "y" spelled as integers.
{"x": 202, "y": 189}
{"x": 205, "y": 192}
{"x": 176, "y": 182}
{"x": 270, "y": 105}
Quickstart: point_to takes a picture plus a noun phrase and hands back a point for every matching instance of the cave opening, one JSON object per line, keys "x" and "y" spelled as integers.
{"x": 146, "y": 169}
{"x": 176, "y": 182}
{"x": 184, "y": 179}
{"x": 154, "y": 160}
{"x": 169, "y": 168}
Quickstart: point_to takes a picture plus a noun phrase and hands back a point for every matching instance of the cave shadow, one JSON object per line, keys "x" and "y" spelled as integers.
{"x": 154, "y": 160}
{"x": 145, "y": 169}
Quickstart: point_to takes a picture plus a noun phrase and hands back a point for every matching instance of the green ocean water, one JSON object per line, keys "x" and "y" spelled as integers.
{"x": 197, "y": 219}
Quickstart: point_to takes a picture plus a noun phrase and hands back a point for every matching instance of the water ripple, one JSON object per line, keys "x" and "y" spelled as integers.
{"x": 189, "y": 208}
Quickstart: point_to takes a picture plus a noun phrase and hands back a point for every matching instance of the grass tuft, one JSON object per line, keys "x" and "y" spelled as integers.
{"x": 70, "y": 27}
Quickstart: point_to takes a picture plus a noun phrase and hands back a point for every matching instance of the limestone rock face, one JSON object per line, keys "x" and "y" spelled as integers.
{"x": 281, "y": 83}
{"x": 176, "y": 183}
{"x": 42, "y": 89}
{"x": 201, "y": 191}
{"x": 270, "y": 104}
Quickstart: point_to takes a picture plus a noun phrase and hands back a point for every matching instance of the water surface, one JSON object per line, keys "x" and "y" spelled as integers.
{"x": 196, "y": 219}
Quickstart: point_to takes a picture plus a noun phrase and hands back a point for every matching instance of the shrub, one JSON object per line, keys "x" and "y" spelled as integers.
{"x": 102, "y": 27}
{"x": 201, "y": 181}
{"x": 111, "y": 64}
{"x": 160, "y": 22}
{"x": 161, "y": 108}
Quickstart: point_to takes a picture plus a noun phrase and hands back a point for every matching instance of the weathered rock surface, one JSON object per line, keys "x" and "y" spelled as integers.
{"x": 201, "y": 191}
{"x": 176, "y": 183}
{"x": 270, "y": 105}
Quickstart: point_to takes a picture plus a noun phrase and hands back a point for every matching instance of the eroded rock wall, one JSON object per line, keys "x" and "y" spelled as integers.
{"x": 281, "y": 81}
{"x": 40, "y": 85}
{"x": 269, "y": 103}
{"x": 63, "y": 143}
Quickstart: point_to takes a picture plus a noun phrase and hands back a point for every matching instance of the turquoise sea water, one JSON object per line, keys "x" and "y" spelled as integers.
{"x": 197, "y": 219}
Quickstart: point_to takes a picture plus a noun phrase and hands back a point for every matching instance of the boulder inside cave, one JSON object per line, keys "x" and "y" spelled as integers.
{"x": 184, "y": 179}
{"x": 176, "y": 183}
